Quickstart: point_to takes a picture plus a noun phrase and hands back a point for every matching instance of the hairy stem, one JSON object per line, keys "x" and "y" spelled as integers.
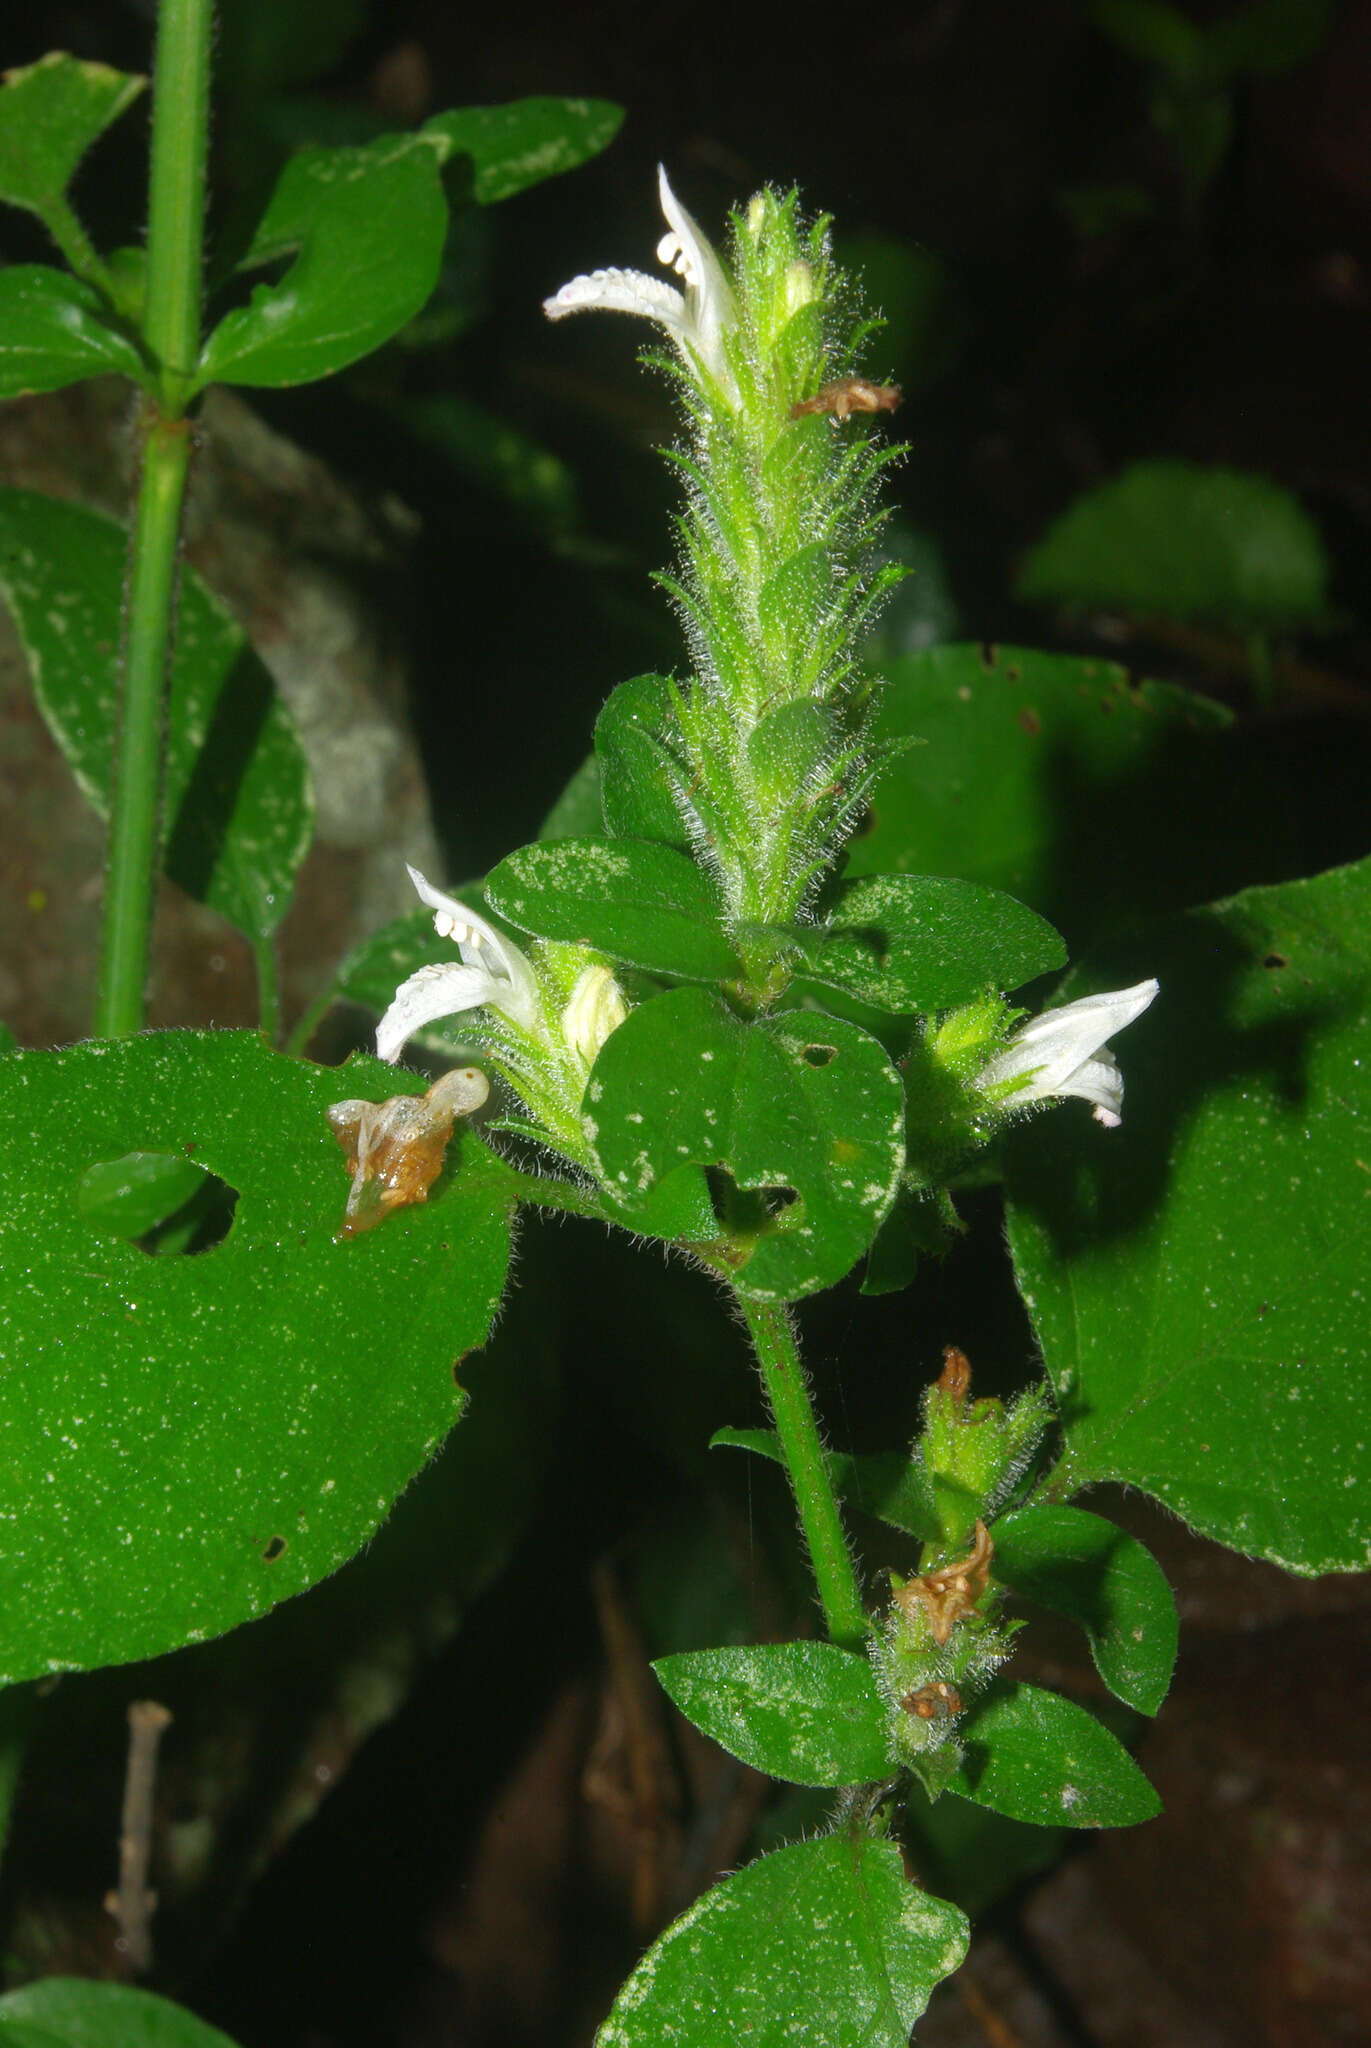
{"x": 773, "y": 1340}
{"x": 172, "y": 330}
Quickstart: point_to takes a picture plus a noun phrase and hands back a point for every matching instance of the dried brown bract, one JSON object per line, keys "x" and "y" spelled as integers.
{"x": 936, "y": 1702}
{"x": 946, "y": 1595}
{"x": 395, "y": 1148}
{"x": 849, "y": 395}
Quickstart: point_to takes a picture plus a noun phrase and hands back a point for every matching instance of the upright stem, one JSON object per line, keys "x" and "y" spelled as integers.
{"x": 773, "y": 1340}
{"x": 176, "y": 211}
{"x": 135, "y": 797}
{"x": 176, "y": 193}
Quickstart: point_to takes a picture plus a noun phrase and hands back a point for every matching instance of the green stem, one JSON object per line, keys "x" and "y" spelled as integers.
{"x": 268, "y": 989}
{"x": 297, "y": 1043}
{"x": 773, "y": 1340}
{"x": 75, "y": 244}
{"x": 135, "y": 796}
{"x": 176, "y": 213}
{"x": 176, "y": 194}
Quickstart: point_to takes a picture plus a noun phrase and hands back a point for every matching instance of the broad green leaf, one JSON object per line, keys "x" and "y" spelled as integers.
{"x": 50, "y": 114}
{"x": 519, "y": 144}
{"x": 1186, "y": 541}
{"x": 365, "y": 228}
{"x": 237, "y": 809}
{"x": 824, "y": 1941}
{"x": 78, "y": 2012}
{"x": 1198, "y": 1284}
{"x": 185, "y": 1442}
{"x": 637, "y": 774}
{"x": 639, "y": 902}
{"x": 1083, "y": 1566}
{"x": 886, "y": 1484}
{"x": 1034, "y": 1756}
{"x": 918, "y": 942}
{"x": 804, "y": 1103}
{"x": 1045, "y": 775}
{"x": 805, "y": 1712}
{"x": 55, "y": 330}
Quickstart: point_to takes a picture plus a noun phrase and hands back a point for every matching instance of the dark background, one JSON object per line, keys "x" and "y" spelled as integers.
{"x": 461, "y": 1884}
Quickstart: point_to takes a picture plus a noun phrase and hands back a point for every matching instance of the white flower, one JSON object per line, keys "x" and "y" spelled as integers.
{"x": 694, "y": 319}
{"x": 492, "y": 974}
{"x": 1063, "y": 1052}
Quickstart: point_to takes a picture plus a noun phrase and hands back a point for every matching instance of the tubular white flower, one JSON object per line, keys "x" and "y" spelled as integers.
{"x": 694, "y": 319}
{"x": 1064, "y": 1052}
{"x": 493, "y": 974}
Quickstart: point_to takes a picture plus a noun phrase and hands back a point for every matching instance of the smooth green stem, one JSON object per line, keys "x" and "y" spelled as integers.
{"x": 297, "y": 1043}
{"x": 773, "y": 1340}
{"x": 135, "y": 797}
{"x": 176, "y": 195}
{"x": 268, "y": 989}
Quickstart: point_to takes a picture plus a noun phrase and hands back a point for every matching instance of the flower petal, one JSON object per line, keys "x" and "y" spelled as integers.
{"x": 623, "y": 291}
{"x": 1049, "y": 1049}
{"x": 481, "y": 946}
{"x": 444, "y": 989}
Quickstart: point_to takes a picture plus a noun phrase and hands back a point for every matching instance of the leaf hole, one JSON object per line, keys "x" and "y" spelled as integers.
{"x": 1275, "y": 960}
{"x": 775, "y": 1201}
{"x": 272, "y": 1549}
{"x": 163, "y": 1203}
{"x": 820, "y": 1055}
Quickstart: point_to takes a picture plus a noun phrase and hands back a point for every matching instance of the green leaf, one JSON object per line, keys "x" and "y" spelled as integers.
{"x": 519, "y": 144}
{"x": 823, "y": 1941}
{"x": 50, "y": 114}
{"x": 639, "y": 902}
{"x": 1034, "y": 1756}
{"x": 637, "y": 772}
{"x": 798, "y": 1102}
{"x": 185, "y": 1442}
{"x": 1186, "y": 541}
{"x": 1198, "y": 1285}
{"x": 887, "y": 1484}
{"x": 54, "y": 330}
{"x": 77, "y": 2012}
{"x": 132, "y": 1195}
{"x": 1083, "y": 1566}
{"x": 805, "y": 1712}
{"x": 1045, "y": 775}
{"x": 918, "y": 942}
{"x": 238, "y": 812}
{"x": 366, "y": 229}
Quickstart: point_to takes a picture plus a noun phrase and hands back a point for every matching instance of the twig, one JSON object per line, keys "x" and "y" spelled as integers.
{"x": 132, "y": 1904}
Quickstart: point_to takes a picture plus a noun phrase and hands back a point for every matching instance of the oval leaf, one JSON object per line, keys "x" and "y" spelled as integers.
{"x": 1083, "y": 1566}
{"x": 822, "y": 1941}
{"x": 1034, "y": 1756}
{"x": 55, "y": 330}
{"x": 1198, "y": 1286}
{"x": 919, "y": 942}
{"x": 238, "y": 811}
{"x": 366, "y": 228}
{"x": 519, "y": 144}
{"x": 186, "y": 1441}
{"x": 50, "y": 114}
{"x": 639, "y": 902}
{"x": 1186, "y": 541}
{"x": 75, "y": 2012}
{"x": 804, "y": 1103}
{"x": 806, "y": 1712}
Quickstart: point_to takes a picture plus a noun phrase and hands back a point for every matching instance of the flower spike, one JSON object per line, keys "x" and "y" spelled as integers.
{"x": 1064, "y": 1052}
